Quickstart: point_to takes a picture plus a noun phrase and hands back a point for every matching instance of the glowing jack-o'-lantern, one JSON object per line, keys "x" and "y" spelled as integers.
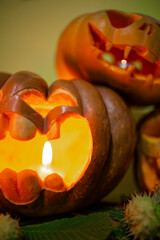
{"x": 114, "y": 48}
{"x": 86, "y": 134}
{"x": 148, "y": 152}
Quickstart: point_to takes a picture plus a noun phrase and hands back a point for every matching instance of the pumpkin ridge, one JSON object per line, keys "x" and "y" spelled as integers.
{"x": 80, "y": 140}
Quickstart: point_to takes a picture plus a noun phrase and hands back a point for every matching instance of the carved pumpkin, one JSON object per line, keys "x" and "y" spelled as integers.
{"x": 89, "y": 130}
{"x": 115, "y": 48}
{"x": 148, "y": 159}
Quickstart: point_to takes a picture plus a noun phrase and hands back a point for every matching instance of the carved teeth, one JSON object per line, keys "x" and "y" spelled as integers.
{"x": 28, "y": 185}
{"x": 21, "y": 128}
{"x": 55, "y": 182}
{"x": 131, "y": 68}
{"x": 127, "y": 51}
{"x": 148, "y": 77}
{"x": 108, "y": 46}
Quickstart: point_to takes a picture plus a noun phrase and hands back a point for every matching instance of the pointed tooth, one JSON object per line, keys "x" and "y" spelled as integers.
{"x": 149, "y": 77}
{"x": 28, "y": 185}
{"x": 21, "y": 128}
{"x": 55, "y": 182}
{"x": 127, "y": 51}
{"x": 140, "y": 77}
{"x": 131, "y": 68}
{"x": 108, "y": 46}
{"x": 8, "y": 183}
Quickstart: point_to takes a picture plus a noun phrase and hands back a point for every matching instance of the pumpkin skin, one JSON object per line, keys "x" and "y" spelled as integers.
{"x": 24, "y": 192}
{"x": 93, "y": 45}
{"x": 148, "y": 152}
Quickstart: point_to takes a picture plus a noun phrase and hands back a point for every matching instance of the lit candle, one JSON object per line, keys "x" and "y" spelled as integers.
{"x": 123, "y": 64}
{"x": 135, "y": 65}
{"x": 47, "y": 154}
{"x": 46, "y": 168}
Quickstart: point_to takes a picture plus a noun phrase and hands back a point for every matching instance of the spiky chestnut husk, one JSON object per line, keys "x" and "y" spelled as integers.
{"x": 156, "y": 193}
{"x": 9, "y": 228}
{"x": 142, "y": 214}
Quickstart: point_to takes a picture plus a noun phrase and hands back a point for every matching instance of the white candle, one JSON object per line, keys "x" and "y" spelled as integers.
{"x": 46, "y": 168}
{"x": 47, "y": 154}
{"x": 123, "y": 64}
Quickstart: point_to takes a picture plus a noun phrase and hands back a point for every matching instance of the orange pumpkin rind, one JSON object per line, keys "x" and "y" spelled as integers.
{"x": 93, "y": 46}
{"x": 24, "y": 192}
{"x": 148, "y": 152}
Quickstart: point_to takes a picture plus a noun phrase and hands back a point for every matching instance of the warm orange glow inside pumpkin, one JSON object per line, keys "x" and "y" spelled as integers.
{"x": 151, "y": 171}
{"x": 111, "y": 54}
{"x": 151, "y": 128}
{"x": 150, "y": 134}
{"x": 71, "y": 151}
{"x": 38, "y": 102}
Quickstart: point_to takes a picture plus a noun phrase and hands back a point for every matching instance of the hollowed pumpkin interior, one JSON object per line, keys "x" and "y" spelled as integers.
{"x": 71, "y": 151}
{"x": 151, "y": 127}
{"x": 150, "y": 131}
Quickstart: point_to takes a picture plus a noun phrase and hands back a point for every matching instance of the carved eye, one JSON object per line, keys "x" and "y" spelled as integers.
{"x": 148, "y": 28}
{"x": 120, "y": 19}
{"x": 97, "y": 37}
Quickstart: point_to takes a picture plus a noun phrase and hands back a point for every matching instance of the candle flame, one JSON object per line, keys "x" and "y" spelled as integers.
{"x": 123, "y": 61}
{"x": 123, "y": 64}
{"x": 47, "y": 154}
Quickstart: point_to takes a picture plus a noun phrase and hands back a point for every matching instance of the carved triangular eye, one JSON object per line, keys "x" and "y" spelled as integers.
{"x": 148, "y": 28}
{"x": 98, "y": 38}
{"x": 120, "y": 19}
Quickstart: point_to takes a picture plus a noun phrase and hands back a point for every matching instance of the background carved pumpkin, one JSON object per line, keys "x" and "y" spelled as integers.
{"x": 148, "y": 152}
{"x": 91, "y": 134}
{"x": 115, "y": 48}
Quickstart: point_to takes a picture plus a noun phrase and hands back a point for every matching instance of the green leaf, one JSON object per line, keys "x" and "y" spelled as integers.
{"x": 96, "y": 226}
{"x": 120, "y": 232}
{"x": 116, "y": 213}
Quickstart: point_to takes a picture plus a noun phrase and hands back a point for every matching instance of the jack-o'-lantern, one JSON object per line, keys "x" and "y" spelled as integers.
{"x": 61, "y": 147}
{"x": 148, "y": 152}
{"x": 115, "y": 48}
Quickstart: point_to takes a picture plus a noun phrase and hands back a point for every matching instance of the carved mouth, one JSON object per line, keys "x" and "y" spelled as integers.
{"x": 23, "y": 169}
{"x": 124, "y": 59}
